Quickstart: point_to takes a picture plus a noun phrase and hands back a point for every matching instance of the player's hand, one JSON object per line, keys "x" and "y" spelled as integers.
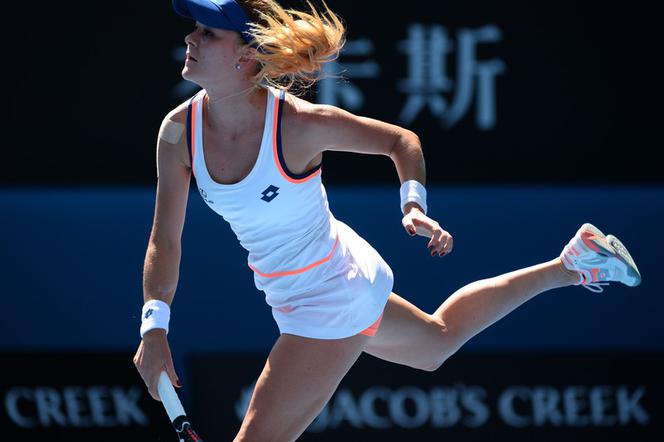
{"x": 416, "y": 222}
{"x": 152, "y": 357}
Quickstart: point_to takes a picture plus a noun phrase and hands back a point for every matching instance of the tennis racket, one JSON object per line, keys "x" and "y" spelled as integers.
{"x": 175, "y": 411}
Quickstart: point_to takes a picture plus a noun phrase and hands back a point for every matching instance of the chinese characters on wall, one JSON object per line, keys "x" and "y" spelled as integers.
{"x": 429, "y": 86}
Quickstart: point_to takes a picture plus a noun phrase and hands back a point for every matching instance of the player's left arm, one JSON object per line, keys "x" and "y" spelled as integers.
{"x": 334, "y": 129}
{"x": 330, "y": 128}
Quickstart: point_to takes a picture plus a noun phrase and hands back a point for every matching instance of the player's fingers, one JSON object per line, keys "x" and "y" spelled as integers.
{"x": 152, "y": 386}
{"x": 440, "y": 237}
{"x": 446, "y": 244}
{"x": 172, "y": 375}
{"x": 434, "y": 247}
{"x": 139, "y": 362}
{"x": 450, "y": 245}
{"x": 435, "y": 242}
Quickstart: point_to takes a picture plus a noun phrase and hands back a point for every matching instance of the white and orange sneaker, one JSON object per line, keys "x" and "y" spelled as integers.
{"x": 599, "y": 259}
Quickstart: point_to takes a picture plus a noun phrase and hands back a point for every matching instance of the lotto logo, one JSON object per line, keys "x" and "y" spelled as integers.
{"x": 270, "y": 193}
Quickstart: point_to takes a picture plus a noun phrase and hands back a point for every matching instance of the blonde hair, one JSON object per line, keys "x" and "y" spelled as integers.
{"x": 292, "y": 45}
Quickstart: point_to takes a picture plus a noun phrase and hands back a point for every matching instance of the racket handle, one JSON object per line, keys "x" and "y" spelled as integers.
{"x": 175, "y": 410}
{"x": 169, "y": 397}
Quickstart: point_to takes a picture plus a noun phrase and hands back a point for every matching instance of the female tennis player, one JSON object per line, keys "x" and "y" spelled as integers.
{"x": 255, "y": 151}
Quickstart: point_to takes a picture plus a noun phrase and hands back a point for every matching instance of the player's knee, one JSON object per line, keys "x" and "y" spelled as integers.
{"x": 433, "y": 367}
{"x": 433, "y": 364}
{"x": 441, "y": 347}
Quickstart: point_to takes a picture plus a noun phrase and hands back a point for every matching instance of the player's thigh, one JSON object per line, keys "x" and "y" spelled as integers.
{"x": 298, "y": 379}
{"x": 411, "y": 337}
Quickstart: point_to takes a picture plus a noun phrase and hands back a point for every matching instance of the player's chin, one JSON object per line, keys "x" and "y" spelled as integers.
{"x": 191, "y": 73}
{"x": 186, "y": 73}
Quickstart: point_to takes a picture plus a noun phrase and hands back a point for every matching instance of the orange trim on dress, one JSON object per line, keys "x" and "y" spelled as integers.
{"x": 298, "y": 271}
{"x": 373, "y": 328}
{"x": 275, "y": 129}
{"x": 194, "y": 108}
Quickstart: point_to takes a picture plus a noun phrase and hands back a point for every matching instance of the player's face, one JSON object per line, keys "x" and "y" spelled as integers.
{"x": 211, "y": 53}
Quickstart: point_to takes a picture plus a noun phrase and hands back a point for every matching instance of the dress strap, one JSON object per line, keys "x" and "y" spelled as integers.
{"x": 192, "y": 113}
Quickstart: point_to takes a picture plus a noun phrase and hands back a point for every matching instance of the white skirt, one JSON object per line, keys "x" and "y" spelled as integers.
{"x": 351, "y": 296}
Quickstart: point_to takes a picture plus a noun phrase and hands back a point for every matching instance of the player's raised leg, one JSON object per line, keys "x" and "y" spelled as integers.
{"x": 298, "y": 379}
{"x": 411, "y": 337}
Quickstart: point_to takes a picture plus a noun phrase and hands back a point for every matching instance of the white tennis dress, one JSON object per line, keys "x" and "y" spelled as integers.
{"x": 321, "y": 279}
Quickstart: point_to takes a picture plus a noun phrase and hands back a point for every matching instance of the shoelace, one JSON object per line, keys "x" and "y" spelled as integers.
{"x": 595, "y": 286}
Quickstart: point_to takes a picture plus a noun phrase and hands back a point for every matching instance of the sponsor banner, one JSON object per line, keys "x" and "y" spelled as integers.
{"x": 516, "y": 397}
{"x": 77, "y": 397}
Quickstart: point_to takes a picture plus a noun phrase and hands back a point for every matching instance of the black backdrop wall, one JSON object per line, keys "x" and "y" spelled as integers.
{"x": 561, "y": 92}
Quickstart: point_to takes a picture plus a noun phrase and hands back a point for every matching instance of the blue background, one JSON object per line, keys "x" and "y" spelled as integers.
{"x": 74, "y": 258}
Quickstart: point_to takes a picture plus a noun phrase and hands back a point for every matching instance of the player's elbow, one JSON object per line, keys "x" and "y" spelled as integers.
{"x": 412, "y": 137}
{"x": 165, "y": 236}
{"x": 407, "y": 143}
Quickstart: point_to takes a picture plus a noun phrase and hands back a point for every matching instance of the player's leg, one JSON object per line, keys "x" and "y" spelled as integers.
{"x": 411, "y": 337}
{"x": 298, "y": 379}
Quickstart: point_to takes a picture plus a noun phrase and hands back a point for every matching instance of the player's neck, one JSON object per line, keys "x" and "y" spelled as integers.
{"x": 234, "y": 109}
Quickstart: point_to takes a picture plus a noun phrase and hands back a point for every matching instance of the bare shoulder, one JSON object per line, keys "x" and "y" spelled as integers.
{"x": 174, "y": 123}
{"x": 310, "y": 121}
{"x": 308, "y": 115}
{"x": 172, "y": 134}
{"x": 326, "y": 127}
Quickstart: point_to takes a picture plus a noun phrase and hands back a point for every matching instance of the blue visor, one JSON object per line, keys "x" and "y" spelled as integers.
{"x": 221, "y": 14}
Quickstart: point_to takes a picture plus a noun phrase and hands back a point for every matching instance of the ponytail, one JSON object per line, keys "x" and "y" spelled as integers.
{"x": 292, "y": 45}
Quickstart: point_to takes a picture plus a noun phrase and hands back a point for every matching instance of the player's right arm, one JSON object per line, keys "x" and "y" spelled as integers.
{"x": 162, "y": 259}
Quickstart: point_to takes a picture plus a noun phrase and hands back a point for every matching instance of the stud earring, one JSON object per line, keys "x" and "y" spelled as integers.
{"x": 238, "y": 67}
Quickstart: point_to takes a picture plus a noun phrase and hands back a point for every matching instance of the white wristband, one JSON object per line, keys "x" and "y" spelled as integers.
{"x": 413, "y": 191}
{"x": 155, "y": 314}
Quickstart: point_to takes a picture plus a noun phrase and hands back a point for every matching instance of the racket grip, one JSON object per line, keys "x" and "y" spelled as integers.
{"x": 175, "y": 410}
{"x": 169, "y": 397}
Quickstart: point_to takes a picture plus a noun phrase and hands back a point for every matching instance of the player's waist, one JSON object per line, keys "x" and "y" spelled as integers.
{"x": 298, "y": 255}
{"x": 302, "y": 263}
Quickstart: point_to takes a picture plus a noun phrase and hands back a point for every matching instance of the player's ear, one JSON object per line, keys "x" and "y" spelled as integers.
{"x": 246, "y": 53}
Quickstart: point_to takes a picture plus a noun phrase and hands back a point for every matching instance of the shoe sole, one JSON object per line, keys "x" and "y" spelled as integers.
{"x": 610, "y": 245}
{"x": 624, "y": 255}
